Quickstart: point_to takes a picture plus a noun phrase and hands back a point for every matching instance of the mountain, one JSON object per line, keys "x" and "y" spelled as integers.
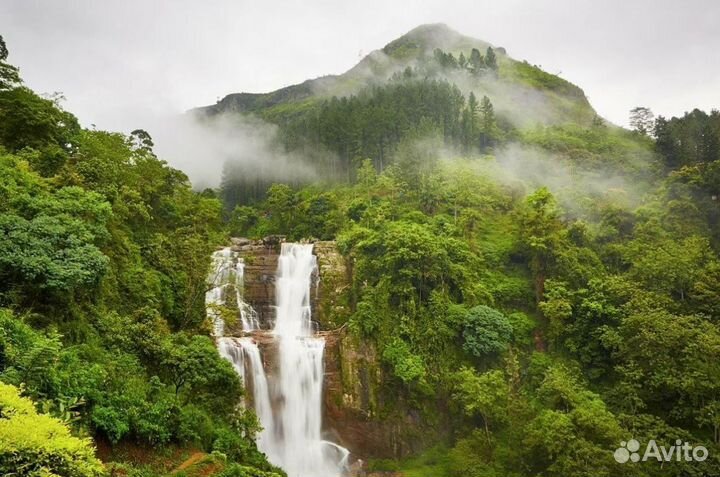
{"x": 432, "y": 83}
{"x": 523, "y": 93}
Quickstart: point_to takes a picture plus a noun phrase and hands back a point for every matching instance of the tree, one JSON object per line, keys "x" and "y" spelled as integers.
{"x": 572, "y": 432}
{"x": 462, "y": 61}
{"x": 642, "y": 120}
{"x": 141, "y": 140}
{"x": 27, "y": 120}
{"x": 491, "y": 59}
{"x": 469, "y": 121}
{"x": 473, "y": 105}
{"x": 662, "y": 346}
{"x": 242, "y": 220}
{"x": 540, "y": 234}
{"x": 366, "y": 175}
{"x": 193, "y": 367}
{"x": 487, "y": 113}
{"x": 486, "y": 395}
{"x": 556, "y": 308}
{"x": 705, "y": 294}
{"x": 477, "y": 63}
{"x": 36, "y": 444}
{"x": 691, "y": 139}
{"x": 9, "y": 75}
{"x": 405, "y": 364}
{"x": 281, "y": 202}
{"x": 49, "y": 239}
{"x": 3, "y": 49}
{"x": 669, "y": 265}
{"x": 488, "y": 125}
{"x": 486, "y": 331}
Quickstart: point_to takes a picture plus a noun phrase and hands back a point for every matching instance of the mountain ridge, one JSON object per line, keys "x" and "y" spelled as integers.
{"x": 415, "y": 49}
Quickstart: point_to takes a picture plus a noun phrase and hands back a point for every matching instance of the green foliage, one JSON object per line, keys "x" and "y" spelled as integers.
{"x": 242, "y": 220}
{"x": 405, "y": 365}
{"x": 486, "y": 395}
{"x": 623, "y": 304}
{"x": 191, "y": 391}
{"x": 486, "y": 331}
{"x": 641, "y": 120}
{"x": 689, "y": 140}
{"x": 573, "y": 434}
{"x": 103, "y": 261}
{"x": 588, "y": 146}
{"x": 104, "y": 255}
{"x": 50, "y": 239}
{"x": 537, "y": 78}
{"x": 491, "y": 59}
{"x": 236, "y": 470}
{"x": 33, "y": 444}
{"x": 377, "y": 123}
{"x": 9, "y": 74}
{"x": 29, "y": 121}
{"x": 522, "y": 327}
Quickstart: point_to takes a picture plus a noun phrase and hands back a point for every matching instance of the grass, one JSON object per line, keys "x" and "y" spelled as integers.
{"x": 432, "y": 463}
{"x": 524, "y": 72}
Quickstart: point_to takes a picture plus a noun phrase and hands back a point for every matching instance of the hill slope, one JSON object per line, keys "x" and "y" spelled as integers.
{"x": 521, "y": 92}
{"x": 433, "y": 83}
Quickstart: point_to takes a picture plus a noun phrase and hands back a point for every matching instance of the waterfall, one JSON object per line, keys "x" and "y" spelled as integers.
{"x": 244, "y": 354}
{"x": 292, "y": 429}
{"x": 221, "y": 272}
{"x": 227, "y": 270}
{"x": 298, "y": 444}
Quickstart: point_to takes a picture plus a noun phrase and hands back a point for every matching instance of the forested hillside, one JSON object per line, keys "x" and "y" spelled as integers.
{"x": 103, "y": 261}
{"x": 431, "y": 81}
{"x": 540, "y": 285}
{"x": 545, "y": 291}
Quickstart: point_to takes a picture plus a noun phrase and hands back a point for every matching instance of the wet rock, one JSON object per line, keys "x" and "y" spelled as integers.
{"x": 240, "y": 241}
{"x": 328, "y": 296}
{"x": 273, "y": 240}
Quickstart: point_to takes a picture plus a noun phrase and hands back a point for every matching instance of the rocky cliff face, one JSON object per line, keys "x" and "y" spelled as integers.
{"x": 261, "y": 260}
{"x": 329, "y": 306}
{"x": 358, "y": 412}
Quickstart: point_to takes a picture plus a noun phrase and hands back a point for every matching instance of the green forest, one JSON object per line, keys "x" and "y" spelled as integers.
{"x": 539, "y": 319}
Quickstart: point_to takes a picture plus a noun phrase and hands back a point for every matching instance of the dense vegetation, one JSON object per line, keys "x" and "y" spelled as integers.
{"x": 103, "y": 262}
{"x": 420, "y": 100}
{"x": 375, "y": 121}
{"x": 553, "y": 324}
{"x": 535, "y": 320}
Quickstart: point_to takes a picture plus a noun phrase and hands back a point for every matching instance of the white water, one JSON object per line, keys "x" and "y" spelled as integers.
{"x": 297, "y": 445}
{"x": 228, "y": 271}
{"x": 291, "y": 436}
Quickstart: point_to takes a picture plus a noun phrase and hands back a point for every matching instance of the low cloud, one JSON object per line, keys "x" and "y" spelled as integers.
{"x": 203, "y": 146}
{"x": 573, "y": 183}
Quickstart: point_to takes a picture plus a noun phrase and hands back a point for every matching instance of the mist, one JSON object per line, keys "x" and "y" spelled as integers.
{"x": 203, "y": 147}
{"x": 573, "y": 183}
{"x": 524, "y": 168}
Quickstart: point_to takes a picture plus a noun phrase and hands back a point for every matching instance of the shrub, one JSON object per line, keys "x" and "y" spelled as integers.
{"x": 487, "y": 331}
{"x": 35, "y": 444}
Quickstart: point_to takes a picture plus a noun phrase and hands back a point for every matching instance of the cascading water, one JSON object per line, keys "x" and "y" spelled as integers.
{"x": 291, "y": 436}
{"x": 227, "y": 270}
{"x": 221, "y": 275}
{"x": 297, "y": 443}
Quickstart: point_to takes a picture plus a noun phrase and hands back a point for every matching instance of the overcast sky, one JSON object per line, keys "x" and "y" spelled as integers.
{"x": 120, "y": 63}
